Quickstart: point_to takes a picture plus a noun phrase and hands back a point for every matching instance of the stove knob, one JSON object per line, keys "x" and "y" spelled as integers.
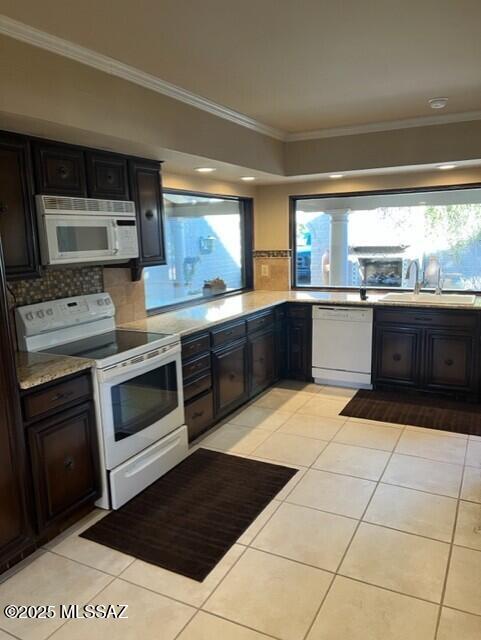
{"x": 40, "y": 314}
{"x": 29, "y": 316}
{"x": 100, "y": 302}
{"x": 50, "y": 312}
{"x": 107, "y": 301}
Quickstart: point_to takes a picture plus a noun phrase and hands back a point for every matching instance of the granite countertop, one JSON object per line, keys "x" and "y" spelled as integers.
{"x": 202, "y": 316}
{"x": 34, "y": 369}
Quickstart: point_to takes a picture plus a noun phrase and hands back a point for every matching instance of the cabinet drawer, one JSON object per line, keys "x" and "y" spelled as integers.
{"x": 64, "y": 457}
{"x": 193, "y": 346}
{"x": 196, "y": 366}
{"x": 228, "y": 334}
{"x": 299, "y": 310}
{"x": 260, "y": 322}
{"x": 41, "y": 402}
{"x": 197, "y": 386}
{"x": 429, "y": 317}
{"x": 199, "y": 415}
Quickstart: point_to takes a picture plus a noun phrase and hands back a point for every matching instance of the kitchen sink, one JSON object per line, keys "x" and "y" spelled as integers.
{"x": 431, "y": 298}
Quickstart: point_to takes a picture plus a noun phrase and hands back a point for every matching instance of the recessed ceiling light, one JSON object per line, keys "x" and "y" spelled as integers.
{"x": 438, "y": 103}
{"x": 446, "y": 167}
{"x": 248, "y": 178}
{"x": 336, "y": 176}
{"x": 205, "y": 169}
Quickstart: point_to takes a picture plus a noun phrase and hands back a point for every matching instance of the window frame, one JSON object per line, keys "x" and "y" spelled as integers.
{"x": 247, "y": 235}
{"x": 293, "y": 199}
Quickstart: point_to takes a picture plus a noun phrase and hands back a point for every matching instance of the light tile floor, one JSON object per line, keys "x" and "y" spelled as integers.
{"x": 377, "y": 537}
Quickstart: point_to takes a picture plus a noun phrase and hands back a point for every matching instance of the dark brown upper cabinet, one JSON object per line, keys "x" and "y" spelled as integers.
{"x": 146, "y": 191}
{"x": 17, "y": 219}
{"x": 59, "y": 169}
{"x": 107, "y": 176}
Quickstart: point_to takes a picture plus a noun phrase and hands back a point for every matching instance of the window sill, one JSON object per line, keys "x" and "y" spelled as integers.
{"x": 196, "y": 301}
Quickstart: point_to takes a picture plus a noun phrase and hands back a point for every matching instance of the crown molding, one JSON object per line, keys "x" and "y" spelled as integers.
{"x": 392, "y": 125}
{"x": 54, "y": 44}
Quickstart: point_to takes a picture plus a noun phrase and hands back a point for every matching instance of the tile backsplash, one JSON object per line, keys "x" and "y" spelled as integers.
{"x": 58, "y": 283}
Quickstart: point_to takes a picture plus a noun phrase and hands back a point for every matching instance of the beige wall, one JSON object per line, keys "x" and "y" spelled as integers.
{"x": 272, "y": 202}
{"x": 203, "y": 184}
{"x": 50, "y": 95}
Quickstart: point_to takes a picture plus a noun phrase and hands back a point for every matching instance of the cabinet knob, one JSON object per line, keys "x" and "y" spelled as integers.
{"x": 449, "y": 362}
{"x": 63, "y": 172}
{"x": 110, "y": 178}
{"x": 3, "y": 207}
{"x": 396, "y": 357}
{"x": 149, "y": 214}
{"x": 69, "y": 463}
{"x": 232, "y": 376}
{"x": 197, "y": 414}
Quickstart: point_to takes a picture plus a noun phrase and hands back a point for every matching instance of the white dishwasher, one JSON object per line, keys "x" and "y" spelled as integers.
{"x": 341, "y": 346}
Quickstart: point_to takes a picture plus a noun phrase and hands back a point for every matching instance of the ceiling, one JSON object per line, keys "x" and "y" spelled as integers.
{"x": 296, "y": 66}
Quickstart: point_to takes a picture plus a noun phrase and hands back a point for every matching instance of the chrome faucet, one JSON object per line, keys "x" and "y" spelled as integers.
{"x": 417, "y": 284}
{"x": 439, "y": 282}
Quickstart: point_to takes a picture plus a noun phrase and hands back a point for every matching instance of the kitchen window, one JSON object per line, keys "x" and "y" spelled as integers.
{"x": 208, "y": 246}
{"x": 368, "y": 240}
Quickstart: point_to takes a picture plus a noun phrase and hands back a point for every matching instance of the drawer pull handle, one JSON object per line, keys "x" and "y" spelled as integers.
{"x": 197, "y": 414}
{"x": 397, "y": 357}
{"x": 62, "y": 396}
{"x": 69, "y": 463}
{"x": 229, "y": 333}
{"x": 449, "y": 362}
{"x": 425, "y": 319}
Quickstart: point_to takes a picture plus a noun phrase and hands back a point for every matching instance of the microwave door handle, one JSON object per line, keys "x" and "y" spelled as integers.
{"x": 115, "y": 238}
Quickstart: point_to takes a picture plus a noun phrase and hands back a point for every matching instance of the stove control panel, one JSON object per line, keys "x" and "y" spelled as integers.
{"x": 40, "y": 318}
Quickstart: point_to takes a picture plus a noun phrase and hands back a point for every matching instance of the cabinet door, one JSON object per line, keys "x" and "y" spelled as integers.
{"x": 17, "y": 223}
{"x": 299, "y": 349}
{"x": 230, "y": 376}
{"x": 262, "y": 361}
{"x": 199, "y": 415}
{"x": 59, "y": 169}
{"x": 64, "y": 458}
{"x": 145, "y": 185}
{"x": 107, "y": 176}
{"x": 15, "y": 531}
{"x": 449, "y": 360}
{"x": 397, "y": 355}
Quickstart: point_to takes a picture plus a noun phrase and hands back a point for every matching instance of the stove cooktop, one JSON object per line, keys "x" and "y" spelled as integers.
{"x": 107, "y": 344}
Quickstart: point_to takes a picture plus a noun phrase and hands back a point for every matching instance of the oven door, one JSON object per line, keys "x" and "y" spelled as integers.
{"x": 80, "y": 238}
{"x": 140, "y": 404}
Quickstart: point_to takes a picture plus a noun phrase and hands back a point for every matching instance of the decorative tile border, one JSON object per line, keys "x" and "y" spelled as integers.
{"x": 273, "y": 253}
{"x": 58, "y": 283}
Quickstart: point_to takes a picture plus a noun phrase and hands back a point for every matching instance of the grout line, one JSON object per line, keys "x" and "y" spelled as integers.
{"x": 451, "y": 547}
{"x": 336, "y": 573}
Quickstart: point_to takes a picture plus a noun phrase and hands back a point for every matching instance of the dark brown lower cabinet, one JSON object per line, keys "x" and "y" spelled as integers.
{"x": 199, "y": 414}
{"x": 16, "y": 534}
{"x": 230, "y": 376}
{"x": 262, "y": 360}
{"x": 398, "y": 355}
{"x": 299, "y": 342}
{"x": 449, "y": 360}
{"x": 64, "y": 458}
{"x": 427, "y": 350}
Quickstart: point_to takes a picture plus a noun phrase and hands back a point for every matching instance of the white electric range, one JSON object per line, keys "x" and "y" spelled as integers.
{"x": 137, "y": 381}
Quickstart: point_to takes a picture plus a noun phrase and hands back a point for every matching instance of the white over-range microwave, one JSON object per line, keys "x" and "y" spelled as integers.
{"x": 82, "y": 230}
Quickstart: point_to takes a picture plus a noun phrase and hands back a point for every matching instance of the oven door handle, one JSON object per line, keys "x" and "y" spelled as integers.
{"x": 119, "y": 372}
